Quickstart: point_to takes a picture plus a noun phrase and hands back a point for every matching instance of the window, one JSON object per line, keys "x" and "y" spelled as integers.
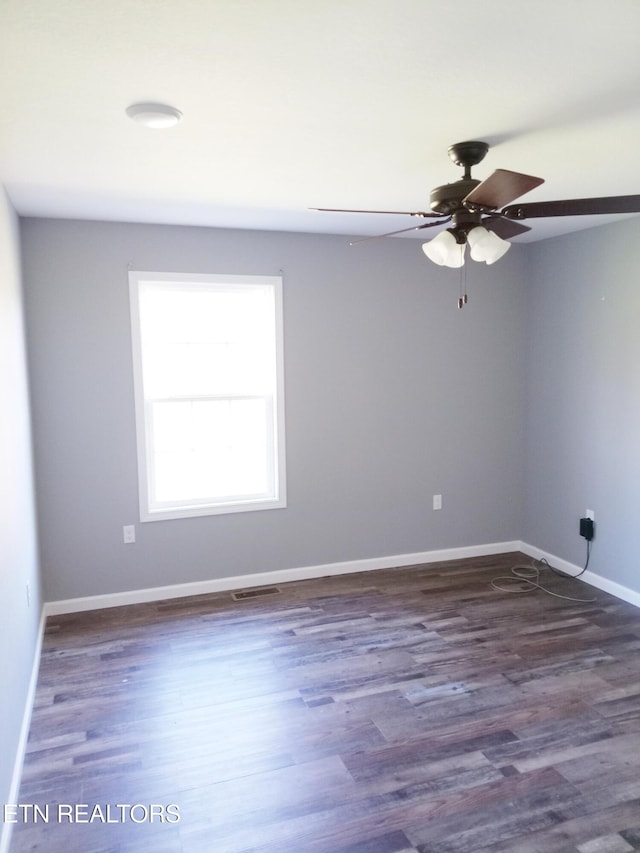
{"x": 208, "y": 376}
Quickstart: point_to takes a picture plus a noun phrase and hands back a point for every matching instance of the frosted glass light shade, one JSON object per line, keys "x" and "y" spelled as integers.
{"x": 485, "y": 245}
{"x": 156, "y": 116}
{"x": 444, "y": 250}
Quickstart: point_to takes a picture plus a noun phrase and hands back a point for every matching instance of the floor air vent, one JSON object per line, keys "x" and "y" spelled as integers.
{"x": 255, "y": 593}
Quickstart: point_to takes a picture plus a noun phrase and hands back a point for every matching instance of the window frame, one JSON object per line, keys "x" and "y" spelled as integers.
{"x": 150, "y": 511}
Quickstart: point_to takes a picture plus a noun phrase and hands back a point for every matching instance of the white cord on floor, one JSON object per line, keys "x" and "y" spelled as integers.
{"x": 527, "y": 579}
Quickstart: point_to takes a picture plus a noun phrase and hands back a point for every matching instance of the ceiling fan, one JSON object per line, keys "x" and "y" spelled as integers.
{"x": 481, "y": 213}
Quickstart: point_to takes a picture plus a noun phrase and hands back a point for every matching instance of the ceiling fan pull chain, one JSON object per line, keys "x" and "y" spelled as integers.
{"x": 463, "y": 299}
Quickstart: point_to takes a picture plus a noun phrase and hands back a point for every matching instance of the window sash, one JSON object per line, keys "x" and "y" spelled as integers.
{"x": 200, "y": 455}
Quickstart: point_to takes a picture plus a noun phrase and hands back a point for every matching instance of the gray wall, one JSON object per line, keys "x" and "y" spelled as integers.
{"x": 18, "y": 553}
{"x": 392, "y": 395}
{"x": 583, "y": 406}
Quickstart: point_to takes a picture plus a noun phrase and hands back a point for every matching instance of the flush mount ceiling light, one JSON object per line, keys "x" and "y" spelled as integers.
{"x": 156, "y": 116}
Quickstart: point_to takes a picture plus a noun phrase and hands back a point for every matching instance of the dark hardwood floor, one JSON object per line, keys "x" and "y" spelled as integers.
{"x": 404, "y": 710}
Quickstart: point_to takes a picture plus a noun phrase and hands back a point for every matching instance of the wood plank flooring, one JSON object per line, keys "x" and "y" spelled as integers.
{"x": 413, "y": 709}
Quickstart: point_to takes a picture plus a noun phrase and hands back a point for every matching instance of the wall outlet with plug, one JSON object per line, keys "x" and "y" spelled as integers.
{"x": 587, "y": 528}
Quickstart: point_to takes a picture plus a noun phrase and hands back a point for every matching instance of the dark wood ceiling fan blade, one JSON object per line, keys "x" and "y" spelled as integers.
{"x": 574, "y": 207}
{"x": 402, "y": 231}
{"x": 505, "y": 228}
{"x": 419, "y": 213}
{"x": 499, "y": 189}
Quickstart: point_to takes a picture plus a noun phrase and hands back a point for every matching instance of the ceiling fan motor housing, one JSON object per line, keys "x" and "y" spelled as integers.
{"x": 447, "y": 199}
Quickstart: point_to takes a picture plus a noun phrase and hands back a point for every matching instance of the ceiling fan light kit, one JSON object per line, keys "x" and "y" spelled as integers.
{"x": 486, "y": 245}
{"x": 448, "y": 248}
{"x": 445, "y": 250}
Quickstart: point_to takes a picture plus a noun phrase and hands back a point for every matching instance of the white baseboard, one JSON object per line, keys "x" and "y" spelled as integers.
{"x": 593, "y": 579}
{"x": 159, "y": 593}
{"x": 14, "y": 790}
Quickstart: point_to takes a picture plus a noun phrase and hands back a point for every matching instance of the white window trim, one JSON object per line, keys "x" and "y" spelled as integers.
{"x": 143, "y": 425}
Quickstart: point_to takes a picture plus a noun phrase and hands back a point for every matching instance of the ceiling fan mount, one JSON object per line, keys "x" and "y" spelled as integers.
{"x": 468, "y": 154}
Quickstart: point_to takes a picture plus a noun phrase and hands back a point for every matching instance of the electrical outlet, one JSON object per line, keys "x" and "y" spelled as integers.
{"x": 590, "y": 514}
{"x": 586, "y": 528}
{"x": 129, "y": 534}
{"x": 437, "y": 501}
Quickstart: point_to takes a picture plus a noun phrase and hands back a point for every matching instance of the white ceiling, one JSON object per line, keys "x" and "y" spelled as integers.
{"x": 291, "y": 104}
